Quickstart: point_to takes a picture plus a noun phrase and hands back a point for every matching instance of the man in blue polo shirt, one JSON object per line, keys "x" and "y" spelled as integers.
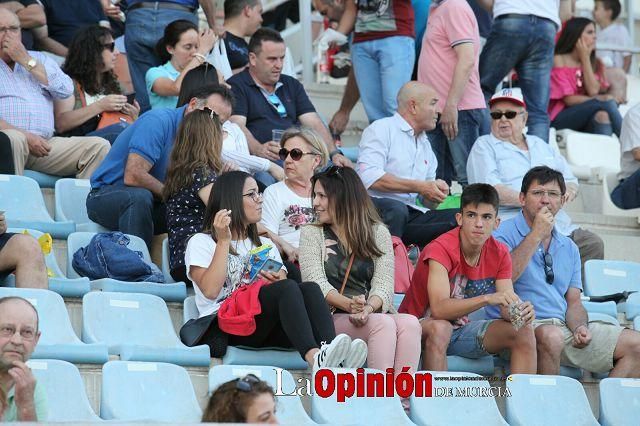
{"x": 266, "y": 100}
{"x": 546, "y": 272}
{"x": 126, "y": 189}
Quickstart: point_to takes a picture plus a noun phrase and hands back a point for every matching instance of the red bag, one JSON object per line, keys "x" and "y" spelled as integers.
{"x": 237, "y": 313}
{"x": 404, "y": 267}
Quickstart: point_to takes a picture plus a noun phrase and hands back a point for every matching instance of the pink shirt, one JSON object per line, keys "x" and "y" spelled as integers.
{"x": 451, "y": 22}
{"x": 566, "y": 81}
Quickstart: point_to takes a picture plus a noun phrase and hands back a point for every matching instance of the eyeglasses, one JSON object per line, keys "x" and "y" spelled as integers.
{"x": 548, "y": 268}
{"x": 246, "y": 383}
{"x": 110, "y": 46}
{"x": 275, "y": 102}
{"x": 254, "y": 195}
{"x": 10, "y": 331}
{"x": 211, "y": 112}
{"x": 13, "y": 29}
{"x": 296, "y": 154}
{"x": 553, "y": 195}
{"x": 497, "y": 115}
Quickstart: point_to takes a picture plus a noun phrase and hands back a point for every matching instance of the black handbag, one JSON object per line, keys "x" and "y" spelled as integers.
{"x": 205, "y": 331}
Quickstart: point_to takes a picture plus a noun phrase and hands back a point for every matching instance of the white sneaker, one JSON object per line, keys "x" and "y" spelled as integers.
{"x": 357, "y": 354}
{"x": 332, "y": 354}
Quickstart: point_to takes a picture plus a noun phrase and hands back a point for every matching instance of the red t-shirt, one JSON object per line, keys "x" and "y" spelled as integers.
{"x": 465, "y": 281}
{"x": 378, "y": 19}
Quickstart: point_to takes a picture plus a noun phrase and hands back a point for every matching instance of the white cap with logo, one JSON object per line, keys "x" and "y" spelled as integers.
{"x": 510, "y": 94}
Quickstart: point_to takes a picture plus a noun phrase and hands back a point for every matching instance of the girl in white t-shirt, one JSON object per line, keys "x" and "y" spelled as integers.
{"x": 293, "y": 315}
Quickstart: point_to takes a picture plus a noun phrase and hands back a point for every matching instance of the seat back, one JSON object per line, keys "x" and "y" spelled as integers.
{"x": 603, "y": 277}
{"x": 619, "y": 402}
{"x": 190, "y": 309}
{"x": 594, "y": 151}
{"x": 126, "y": 318}
{"x": 289, "y": 407}
{"x": 50, "y": 258}
{"x": 542, "y": 400}
{"x": 81, "y": 239}
{"x": 166, "y": 271}
{"x": 71, "y": 203}
{"x": 151, "y": 391}
{"x": 609, "y": 183}
{"x": 22, "y": 200}
{"x": 66, "y": 395}
{"x": 54, "y": 323}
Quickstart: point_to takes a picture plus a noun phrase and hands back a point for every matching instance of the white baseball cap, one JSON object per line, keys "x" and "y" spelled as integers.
{"x": 511, "y": 94}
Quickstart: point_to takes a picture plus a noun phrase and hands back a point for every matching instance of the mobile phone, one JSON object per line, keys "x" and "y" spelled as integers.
{"x": 131, "y": 97}
{"x": 271, "y": 265}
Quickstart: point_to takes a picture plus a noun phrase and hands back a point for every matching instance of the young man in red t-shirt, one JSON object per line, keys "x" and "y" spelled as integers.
{"x": 460, "y": 272}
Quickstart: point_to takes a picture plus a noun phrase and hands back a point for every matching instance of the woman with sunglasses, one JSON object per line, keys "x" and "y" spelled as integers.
{"x": 243, "y": 400}
{"x": 287, "y": 204}
{"x": 90, "y": 63}
{"x": 350, "y": 255}
{"x": 292, "y": 314}
{"x": 579, "y": 97}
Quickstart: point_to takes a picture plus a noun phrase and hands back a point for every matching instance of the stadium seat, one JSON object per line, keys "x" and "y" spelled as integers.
{"x": 65, "y": 287}
{"x": 165, "y": 262}
{"x": 633, "y": 306}
{"x": 44, "y": 180}
{"x": 358, "y": 410}
{"x": 70, "y": 201}
{"x": 397, "y": 300}
{"x": 278, "y": 357}
{"x": 171, "y": 292}
{"x": 547, "y": 400}
{"x": 605, "y": 277}
{"x": 58, "y": 340}
{"x": 189, "y": 309}
{"x": 290, "y": 409}
{"x": 607, "y": 308}
{"x": 619, "y": 402}
{"x": 483, "y": 366}
{"x": 351, "y": 152}
{"x": 66, "y": 395}
{"x": 596, "y": 316}
{"x": 457, "y": 409}
{"x": 148, "y": 391}
{"x": 137, "y": 327}
{"x": 24, "y": 207}
{"x": 609, "y": 183}
{"x": 592, "y": 155}
{"x": 636, "y": 324}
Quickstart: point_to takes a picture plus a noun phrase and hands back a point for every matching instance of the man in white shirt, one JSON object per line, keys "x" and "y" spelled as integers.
{"x": 398, "y": 167}
{"x": 627, "y": 194}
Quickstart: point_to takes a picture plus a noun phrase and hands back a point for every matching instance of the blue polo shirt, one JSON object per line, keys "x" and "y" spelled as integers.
{"x": 66, "y": 17}
{"x": 262, "y": 116}
{"x": 547, "y": 299}
{"x": 151, "y": 136}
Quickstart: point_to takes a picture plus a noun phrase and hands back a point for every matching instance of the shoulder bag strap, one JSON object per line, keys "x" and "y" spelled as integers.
{"x": 346, "y": 274}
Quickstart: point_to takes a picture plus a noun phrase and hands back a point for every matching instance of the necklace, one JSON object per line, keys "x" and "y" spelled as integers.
{"x": 473, "y": 262}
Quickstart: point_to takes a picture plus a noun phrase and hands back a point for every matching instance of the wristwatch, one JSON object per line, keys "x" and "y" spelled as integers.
{"x": 334, "y": 152}
{"x": 31, "y": 64}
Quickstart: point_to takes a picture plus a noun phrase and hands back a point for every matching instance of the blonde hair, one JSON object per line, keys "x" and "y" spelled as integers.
{"x": 311, "y": 137}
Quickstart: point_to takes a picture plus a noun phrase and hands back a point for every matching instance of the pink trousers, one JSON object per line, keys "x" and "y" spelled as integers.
{"x": 394, "y": 340}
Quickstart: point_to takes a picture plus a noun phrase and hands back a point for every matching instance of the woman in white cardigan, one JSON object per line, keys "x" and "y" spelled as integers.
{"x": 349, "y": 231}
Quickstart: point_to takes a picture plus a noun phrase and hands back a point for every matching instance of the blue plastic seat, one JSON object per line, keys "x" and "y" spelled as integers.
{"x": 547, "y": 400}
{"x": 457, "y": 409}
{"x": 289, "y": 359}
{"x": 484, "y": 366}
{"x": 58, "y": 340}
{"x": 290, "y": 409}
{"x": 397, "y": 300}
{"x": 596, "y": 316}
{"x": 171, "y": 292}
{"x": 148, "y": 391}
{"x": 137, "y": 327}
{"x": 165, "y": 262}
{"x": 358, "y": 410}
{"x": 633, "y": 306}
{"x": 607, "y": 308}
{"x": 66, "y": 287}
{"x": 71, "y": 204}
{"x": 24, "y": 207}
{"x": 66, "y": 395}
{"x": 603, "y": 277}
{"x": 351, "y": 152}
{"x": 619, "y": 402}
{"x": 189, "y": 309}
{"x": 44, "y": 180}
{"x": 636, "y": 323}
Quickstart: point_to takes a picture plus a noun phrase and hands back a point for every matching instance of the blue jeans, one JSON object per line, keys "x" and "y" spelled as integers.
{"x": 127, "y": 209}
{"x": 110, "y": 133}
{"x": 627, "y": 194}
{"x": 467, "y": 341}
{"x": 581, "y": 118}
{"x": 144, "y": 27}
{"x": 526, "y": 44}
{"x": 382, "y": 67}
{"x": 452, "y": 155}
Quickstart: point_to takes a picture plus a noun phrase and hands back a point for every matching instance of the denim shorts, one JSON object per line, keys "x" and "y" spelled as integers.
{"x": 466, "y": 341}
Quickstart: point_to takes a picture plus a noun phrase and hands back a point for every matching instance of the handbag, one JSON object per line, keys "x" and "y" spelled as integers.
{"x": 344, "y": 280}
{"x": 205, "y": 331}
{"x": 107, "y": 118}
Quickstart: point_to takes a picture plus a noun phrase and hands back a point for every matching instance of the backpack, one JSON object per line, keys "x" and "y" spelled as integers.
{"x": 403, "y": 266}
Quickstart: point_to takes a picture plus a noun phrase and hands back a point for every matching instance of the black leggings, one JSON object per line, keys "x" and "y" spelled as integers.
{"x": 293, "y": 315}
{"x": 6, "y": 156}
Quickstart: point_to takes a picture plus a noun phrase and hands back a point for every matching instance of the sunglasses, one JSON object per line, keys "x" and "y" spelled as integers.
{"x": 497, "y": 115}
{"x": 110, "y": 46}
{"x": 211, "y": 112}
{"x": 246, "y": 383}
{"x": 296, "y": 154}
{"x": 548, "y": 268}
{"x": 275, "y": 102}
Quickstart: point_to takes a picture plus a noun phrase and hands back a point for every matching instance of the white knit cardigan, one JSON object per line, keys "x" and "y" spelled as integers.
{"x": 313, "y": 254}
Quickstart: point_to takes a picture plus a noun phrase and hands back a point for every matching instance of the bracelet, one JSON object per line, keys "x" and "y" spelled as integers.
{"x": 334, "y": 152}
{"x": 200, "y": 56}
{"x": 369, "y": 305}
{"x": 581, "y": 325}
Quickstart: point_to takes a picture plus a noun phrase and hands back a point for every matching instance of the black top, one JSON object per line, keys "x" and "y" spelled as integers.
{"x": 237, "y": 50}
{"x": 65, "y": 17}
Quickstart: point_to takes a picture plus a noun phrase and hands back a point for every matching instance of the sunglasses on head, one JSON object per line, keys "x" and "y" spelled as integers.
{"x": 330, "y": 172}
{"x": 110, "y": 46}
{"x": 497, "y": 115}
{"x": 296, "y": 154}
{"x": 211, "y": 112}
{"x": 548, "y": 268}
{"x": 246, "y": 383}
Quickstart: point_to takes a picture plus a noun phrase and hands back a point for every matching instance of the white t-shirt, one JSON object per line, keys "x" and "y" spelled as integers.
{"x": 199, "y": 252}
{"x": 548, "y": 9}
{"x": 617, "y": 35}
{"x": 629, "y": 139}
{"x": 284, "y": 212}
{"x": 235, "y": 148}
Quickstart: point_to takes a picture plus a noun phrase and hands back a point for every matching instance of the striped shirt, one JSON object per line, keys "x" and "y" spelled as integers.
{"x": 26, "y": 103}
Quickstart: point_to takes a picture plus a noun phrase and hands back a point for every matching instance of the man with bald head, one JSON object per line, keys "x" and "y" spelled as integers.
{"x": 19, "y": 335}
{"x": 398, "y": 167}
